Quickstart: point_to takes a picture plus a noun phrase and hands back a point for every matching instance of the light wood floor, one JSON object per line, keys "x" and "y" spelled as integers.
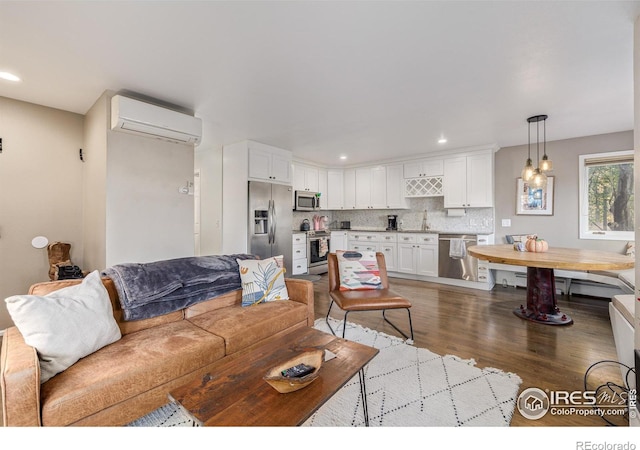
{"x": 476, "y": 324}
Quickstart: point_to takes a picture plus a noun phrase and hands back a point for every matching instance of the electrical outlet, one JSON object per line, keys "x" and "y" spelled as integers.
{"x": 506, "y": 222}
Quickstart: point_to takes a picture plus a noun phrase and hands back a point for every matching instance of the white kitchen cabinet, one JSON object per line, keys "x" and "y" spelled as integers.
{"x": 371, "y": 187}
{"x": 339, "y": 241}
{"x": 424, "y": 168}
{"x": 468, "y": 181}
{"x": 376, "y": 241}
{"x": 335, "y": 189}
{"x": 378, "y": 187}
{"x": 406, "y": 258}
{"x": 269, "y": 163}
{"x": 418, "y": 254}
{"x": 363, "y": 188}
{"x": 390, "y": 255}
{"x": 395, "y": 187}
{"x": 305, "y": 178}
{"x": 300, "y": 262}
{"x": 484, "y": 272}
{"x": 322, "y": 187}
{"x": 349, "y": 189}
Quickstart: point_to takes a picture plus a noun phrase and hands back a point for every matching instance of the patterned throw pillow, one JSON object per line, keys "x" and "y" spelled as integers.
{"x": 262, "y": 280}
{"x": 358, "y": 270}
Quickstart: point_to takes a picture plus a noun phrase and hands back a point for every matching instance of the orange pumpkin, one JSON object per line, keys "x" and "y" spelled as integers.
{"x": 536, "y": 245}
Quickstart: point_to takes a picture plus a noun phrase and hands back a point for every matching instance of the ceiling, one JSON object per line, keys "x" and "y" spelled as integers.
{"x": 372, "y": 80}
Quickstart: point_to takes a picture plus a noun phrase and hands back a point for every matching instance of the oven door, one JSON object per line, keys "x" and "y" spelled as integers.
{"x": 318, "y": 253}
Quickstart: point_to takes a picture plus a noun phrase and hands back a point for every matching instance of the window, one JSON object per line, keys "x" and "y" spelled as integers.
{"x": 606, "y": 196}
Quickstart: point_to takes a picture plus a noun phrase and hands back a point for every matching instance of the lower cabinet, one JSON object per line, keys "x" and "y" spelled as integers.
{"x": 376, "y": 242}
{"x": 300, "y": 263}
{"x": 418, "y": 254}
{"x": 338, "y": 241}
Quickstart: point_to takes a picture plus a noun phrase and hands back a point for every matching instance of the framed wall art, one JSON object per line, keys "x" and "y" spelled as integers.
{"x": 534, "y": 201}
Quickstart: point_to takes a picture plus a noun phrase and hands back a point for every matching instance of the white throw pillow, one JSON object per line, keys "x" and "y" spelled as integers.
{"x": 67, "y": 324}
{"x": 262, "y": 280}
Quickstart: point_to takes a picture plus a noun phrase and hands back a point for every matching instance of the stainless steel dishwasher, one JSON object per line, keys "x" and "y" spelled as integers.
{"x": 465, "y": 268}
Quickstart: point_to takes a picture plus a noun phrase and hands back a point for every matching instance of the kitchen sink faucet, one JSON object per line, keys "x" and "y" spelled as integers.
{"x": 425, "y": 224}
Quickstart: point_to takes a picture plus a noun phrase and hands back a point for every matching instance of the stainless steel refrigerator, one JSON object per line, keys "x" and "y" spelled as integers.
{"x": 271, "y": 221}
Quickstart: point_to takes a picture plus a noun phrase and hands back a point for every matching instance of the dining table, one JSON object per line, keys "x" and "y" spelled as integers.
{"x": 541, "y": 306}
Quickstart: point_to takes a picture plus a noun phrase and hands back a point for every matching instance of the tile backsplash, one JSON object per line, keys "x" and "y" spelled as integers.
{"x": 478, "y": 220}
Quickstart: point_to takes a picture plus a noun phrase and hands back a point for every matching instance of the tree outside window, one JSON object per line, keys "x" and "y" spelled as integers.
{"x": 607, "y": 197}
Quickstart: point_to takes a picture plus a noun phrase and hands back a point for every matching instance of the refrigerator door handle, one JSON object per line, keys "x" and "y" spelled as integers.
{"x": 275, "y": 221}
{"x": 270, "y": 220}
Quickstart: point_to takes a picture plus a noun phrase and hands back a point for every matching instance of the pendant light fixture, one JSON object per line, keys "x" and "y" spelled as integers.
{"x": 545, "y": 163}
{"x": 537, "y": 176}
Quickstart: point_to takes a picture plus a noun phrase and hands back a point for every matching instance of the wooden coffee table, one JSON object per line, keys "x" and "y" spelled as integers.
{"x": 235, "y": 394}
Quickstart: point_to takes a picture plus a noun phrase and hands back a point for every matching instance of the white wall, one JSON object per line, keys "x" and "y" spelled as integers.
{"x": 209, "y": 162}
{"x": 134, "y": 211}
{"x": 562, "y": 228}
{"x": 235, "y": 203}
{"x": 94, "y": 201}
{"x": 148, "y": 219}
{"x": 40, "y": 192}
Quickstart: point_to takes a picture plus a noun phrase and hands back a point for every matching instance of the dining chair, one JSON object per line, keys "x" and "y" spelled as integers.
{"x": 367, "y": 299}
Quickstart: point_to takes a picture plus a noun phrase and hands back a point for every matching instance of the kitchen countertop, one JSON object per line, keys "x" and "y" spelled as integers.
{"x": 414, "y": 231}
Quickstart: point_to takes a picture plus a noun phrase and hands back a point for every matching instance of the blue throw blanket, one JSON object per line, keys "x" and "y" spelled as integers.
{"x": 152, "y": 289}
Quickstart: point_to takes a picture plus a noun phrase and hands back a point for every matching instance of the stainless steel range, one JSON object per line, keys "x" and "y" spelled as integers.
{"x": 318, "y": 245}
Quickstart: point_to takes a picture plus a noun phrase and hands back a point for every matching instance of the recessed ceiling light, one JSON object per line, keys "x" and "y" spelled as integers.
{"x": 343, "y": 157}
{"x": 442, "y": 141}
{"x": 9, "y": 76}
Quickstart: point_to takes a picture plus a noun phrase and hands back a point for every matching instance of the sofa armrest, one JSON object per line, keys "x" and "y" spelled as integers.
{"x": 19, "y": 381}
{"x": 302, "y": 291}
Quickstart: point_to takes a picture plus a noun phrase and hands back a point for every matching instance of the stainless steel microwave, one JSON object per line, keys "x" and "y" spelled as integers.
{"x": 306, "y": 201}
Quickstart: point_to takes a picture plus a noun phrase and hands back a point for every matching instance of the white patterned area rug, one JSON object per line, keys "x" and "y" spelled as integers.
{"x": 411, "y": 386}
{"x": 406, "y": 386}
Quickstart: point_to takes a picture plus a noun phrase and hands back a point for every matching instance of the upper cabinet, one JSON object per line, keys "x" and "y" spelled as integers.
{"x": 423, "y": 178}
{"x": 335, "y": 189}
{"x": 371, "y": 187}
{"x": 269, "y": 163}
{"x": 468, "y": 181}
{"x": 464, "y": 179}
{"x": 349, "y": 189}
{"x": 424, "y": 168}
{"x": 395, "y": 187}
{"x": 306, "y": 178}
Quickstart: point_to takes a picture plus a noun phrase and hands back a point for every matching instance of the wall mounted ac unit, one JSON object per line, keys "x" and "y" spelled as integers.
{"x": 134, "y": 116}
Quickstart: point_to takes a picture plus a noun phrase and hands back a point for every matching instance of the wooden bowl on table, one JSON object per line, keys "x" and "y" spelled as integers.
{"x": 282, "y": 384}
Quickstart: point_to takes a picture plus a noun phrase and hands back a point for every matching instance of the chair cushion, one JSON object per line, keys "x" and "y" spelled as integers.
{"x": 368, "y": 300}
{"x": 358, "y": 270}
{"x": 262, "y": 280}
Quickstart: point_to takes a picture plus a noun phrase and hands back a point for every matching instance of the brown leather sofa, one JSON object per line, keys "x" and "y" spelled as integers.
{"x": 131, "y": 377}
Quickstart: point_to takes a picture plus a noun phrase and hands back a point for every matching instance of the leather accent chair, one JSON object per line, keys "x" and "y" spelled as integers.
{"x": 366, "y": 300}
